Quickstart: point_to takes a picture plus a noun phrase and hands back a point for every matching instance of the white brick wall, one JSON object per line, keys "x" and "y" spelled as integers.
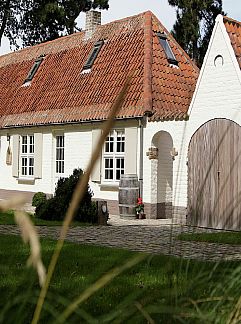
{"x": 177, "y": 131}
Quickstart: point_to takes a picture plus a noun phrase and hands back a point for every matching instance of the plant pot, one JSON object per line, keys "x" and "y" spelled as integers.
{"x": 141, "y": 216}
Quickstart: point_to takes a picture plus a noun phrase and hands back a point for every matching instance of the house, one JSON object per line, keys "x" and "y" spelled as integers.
{"x": 55, "y": 96}
{"x": 213, "y": 133}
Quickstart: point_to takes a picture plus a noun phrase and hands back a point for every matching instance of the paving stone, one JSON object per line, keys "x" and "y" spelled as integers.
{"x": 151, "y": 236}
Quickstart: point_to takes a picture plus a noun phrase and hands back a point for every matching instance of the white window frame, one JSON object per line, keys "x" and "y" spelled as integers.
{"x": 59, "y": 154}
{"x": 27, "y": 148}
{"x": 114, "y": 150}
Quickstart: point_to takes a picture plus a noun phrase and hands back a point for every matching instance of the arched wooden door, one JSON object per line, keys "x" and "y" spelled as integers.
{"x": 214, "y": 175}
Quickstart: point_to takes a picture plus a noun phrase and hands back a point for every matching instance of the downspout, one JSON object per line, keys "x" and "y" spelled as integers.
{"x": 147, "y": 88}
{"x": 141, "y": 156}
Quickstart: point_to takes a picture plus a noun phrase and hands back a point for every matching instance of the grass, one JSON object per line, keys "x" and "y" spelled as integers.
{"x": 7, "y": 218}
{"x": 222, "y": 238}
{"x": 162, "y": 285}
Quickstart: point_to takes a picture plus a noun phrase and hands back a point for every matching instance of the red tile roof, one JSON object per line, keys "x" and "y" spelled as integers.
{"x": 60, "y": 93}
{"x": 233, "y": 28}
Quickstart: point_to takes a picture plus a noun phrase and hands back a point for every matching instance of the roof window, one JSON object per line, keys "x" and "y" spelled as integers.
{"x": 34, "y": 69}
{"x": 169, "y": 53}
{"x": 93, "y": 55}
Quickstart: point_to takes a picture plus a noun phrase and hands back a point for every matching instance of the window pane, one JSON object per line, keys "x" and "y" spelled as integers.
{"x": 24, "y": 144}
{"x": 122, "y": 164}
{"x": 120, "y": 139}
{"x": 24, "y": 139}
{"x": 111, "y": 172}
{"x": 24, "y": 166}
{"x": 119, "y": 167}
{"x": 117, "y": 174}
{"x": 31, "y": 144}
{"x": 31, "y": 165}
{"x": 60, "y": 154}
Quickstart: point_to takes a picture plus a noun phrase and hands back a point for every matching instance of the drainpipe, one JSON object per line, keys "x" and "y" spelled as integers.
{"x": 141, "y": 157}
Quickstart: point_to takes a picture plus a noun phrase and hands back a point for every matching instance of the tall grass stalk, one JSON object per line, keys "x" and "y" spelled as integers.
{"x": 78, "y": 195}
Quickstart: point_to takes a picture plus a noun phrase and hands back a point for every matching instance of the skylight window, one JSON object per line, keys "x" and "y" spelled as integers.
{"x": 93, "y": 55}
{"x": 34, "y": 69}
{"x": 168, "y": 51}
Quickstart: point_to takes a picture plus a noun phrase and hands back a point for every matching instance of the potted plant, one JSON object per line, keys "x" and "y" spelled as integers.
{"x": 140, "y": 209}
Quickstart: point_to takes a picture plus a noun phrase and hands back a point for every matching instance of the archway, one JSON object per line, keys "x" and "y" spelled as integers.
{"x": 162, "y": 175}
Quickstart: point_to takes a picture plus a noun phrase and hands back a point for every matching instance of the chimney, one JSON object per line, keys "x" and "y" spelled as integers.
{"x": 93, "y": 20}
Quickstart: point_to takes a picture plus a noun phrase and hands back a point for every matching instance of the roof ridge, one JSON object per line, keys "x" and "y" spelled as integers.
{"x": 59, "y": 39}
{"x": 148, "y": 38}
{"x": 44, "y": 43}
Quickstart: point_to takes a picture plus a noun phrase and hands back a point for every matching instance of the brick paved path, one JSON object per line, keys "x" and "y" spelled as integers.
{"x": 152, "y": 237}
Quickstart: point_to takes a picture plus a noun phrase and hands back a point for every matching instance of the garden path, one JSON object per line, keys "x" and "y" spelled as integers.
{"x": 152, "y": 236}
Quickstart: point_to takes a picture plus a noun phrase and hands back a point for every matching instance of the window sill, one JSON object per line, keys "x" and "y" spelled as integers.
{"x": 109, "y": 186}
{"x": 26, "y": 180}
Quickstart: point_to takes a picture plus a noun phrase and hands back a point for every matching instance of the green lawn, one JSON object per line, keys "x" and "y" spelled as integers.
{"x": 164, "y": 287}
{"x": 7, "y": 218}
{"x": 221, "y": 237}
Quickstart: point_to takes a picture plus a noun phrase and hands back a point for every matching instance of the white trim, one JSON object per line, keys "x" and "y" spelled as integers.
{"x": 114, "y": 155}
{"x": 27, "y": 155}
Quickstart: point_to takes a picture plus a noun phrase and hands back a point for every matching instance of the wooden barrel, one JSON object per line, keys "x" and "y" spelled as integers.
{"x": 128, "y": 194}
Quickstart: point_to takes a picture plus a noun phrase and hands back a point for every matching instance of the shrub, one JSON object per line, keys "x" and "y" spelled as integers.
{"x": 56, "y": 207}
{"x": 38, "y": 199}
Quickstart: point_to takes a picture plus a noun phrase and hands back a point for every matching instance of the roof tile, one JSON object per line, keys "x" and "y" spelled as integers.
{"x": 233, "y": 28}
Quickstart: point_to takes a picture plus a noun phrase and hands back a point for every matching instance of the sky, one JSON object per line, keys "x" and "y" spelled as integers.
{"x": 124, "y": 8}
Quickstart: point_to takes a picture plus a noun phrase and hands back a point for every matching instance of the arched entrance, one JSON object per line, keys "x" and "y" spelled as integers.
{"x": 162, "y": 175}
{"x": 214, "y": 175}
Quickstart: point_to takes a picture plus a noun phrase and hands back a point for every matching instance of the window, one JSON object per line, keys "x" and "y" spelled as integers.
{"x": 168, "y": 51}
{"x": 60, "y": 154}
{"x": 27, "y": 156}
{"x": 34, "y": 69}
{"x": 114, "y": 150}
{"x": 93, "y": 55}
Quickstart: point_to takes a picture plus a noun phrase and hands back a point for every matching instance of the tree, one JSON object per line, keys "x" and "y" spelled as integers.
{"x": 194, "y": 25}
{"x": 42, "y": 20}
{"x": 10, "y": 10}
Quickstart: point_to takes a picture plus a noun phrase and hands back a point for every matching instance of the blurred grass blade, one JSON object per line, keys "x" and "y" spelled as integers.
{"x": 29, "y": 235}
{"x": 14, "y": 203}
{"x": 145, "y": 314}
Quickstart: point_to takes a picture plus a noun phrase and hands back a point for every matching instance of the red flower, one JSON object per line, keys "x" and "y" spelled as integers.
{"x": 139, "y": 201}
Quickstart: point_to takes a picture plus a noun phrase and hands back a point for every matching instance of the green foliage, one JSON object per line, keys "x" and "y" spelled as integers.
{"x": 222, "y": 237}
{"x": 55, "y": 208}
{"x": 42, "y": 20}
{"x": 10, "y": 10}
{"x": 194, "y": 25}
{"x": 38, "y": 199}
{"x": 7, "y": 218}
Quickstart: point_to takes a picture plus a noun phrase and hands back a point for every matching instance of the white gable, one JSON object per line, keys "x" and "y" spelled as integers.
{"x": 218, "y": 91}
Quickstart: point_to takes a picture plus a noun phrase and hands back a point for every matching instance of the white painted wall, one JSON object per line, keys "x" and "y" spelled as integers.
{"x": 78, "y": 149}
